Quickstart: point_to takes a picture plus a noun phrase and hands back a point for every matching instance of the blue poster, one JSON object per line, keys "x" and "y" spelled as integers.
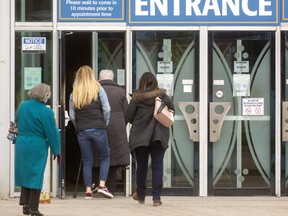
{"x": 91, "y": 10}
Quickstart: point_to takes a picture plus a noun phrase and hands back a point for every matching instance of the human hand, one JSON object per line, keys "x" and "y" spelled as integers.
{"x": 59, "y": 158}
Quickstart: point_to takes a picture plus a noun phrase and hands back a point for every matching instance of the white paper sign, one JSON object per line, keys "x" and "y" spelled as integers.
{"x": 241, "y": 85}
{"x": 166, "y": 81}
{"x": 252, "y": 106}
{"x": 241, "y": 66}
{"x": 121, "y": 77}
{"x": 34, "y": 45}
{"x": 165, "y": 66}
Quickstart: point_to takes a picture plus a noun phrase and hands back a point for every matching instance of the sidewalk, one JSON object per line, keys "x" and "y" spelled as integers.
{"x": 172, "y": 206}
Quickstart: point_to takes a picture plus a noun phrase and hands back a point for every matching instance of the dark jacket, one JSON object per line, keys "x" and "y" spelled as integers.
{"x": 117, "y": 136}
{"x": 145, "y": 129}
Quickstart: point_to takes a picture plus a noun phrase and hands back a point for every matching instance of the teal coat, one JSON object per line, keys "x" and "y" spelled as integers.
{"x": 37, "y": 132}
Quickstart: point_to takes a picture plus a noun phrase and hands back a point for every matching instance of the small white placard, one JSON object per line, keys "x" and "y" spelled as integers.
{"x": 121, "y": 77}
{"x": 34, "y": 45}
{"x": 187, "y": 88}
{"x": 187, "y": 82}
{"x": 241, "y": 66}
{"x": 252, "y": 106}
{"x": 218, "y": 82}
{"x": 165, "y": 66}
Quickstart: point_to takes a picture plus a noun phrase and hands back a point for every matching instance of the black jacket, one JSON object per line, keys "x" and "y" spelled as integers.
{"x": 145, "y": 129}
{"x": 116, "y": 130}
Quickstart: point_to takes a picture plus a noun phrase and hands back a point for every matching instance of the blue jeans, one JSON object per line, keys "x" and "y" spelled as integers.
{"x": 87, "y": 139}
{"x": 142, "y": 155}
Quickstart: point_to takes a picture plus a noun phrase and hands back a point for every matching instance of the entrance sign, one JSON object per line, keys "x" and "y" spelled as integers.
{"x": 91, "y": 10}
{"x": 253, "y": 106}
{"x": 208, "y": 12}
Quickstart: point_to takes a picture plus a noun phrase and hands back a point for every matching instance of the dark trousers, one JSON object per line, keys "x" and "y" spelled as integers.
{"x": 142, "y": 155}
{"x": 30, "y": 197}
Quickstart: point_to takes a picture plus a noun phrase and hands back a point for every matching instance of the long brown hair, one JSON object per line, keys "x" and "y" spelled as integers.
{"x": 148, "y": 82}
{"x": 85, "y": 87}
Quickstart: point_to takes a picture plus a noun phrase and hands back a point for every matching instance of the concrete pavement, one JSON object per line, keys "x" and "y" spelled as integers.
{"x": 172, "y": 206}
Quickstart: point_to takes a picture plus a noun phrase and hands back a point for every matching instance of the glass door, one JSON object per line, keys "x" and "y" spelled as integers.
{"x": 99, "y": 50}
{"x": 241, "y": 113}
{"x": 173, "y": 58}
{"x": 284, "y": 85}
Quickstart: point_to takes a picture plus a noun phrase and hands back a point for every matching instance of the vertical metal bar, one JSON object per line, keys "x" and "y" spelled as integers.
{"x": 278, "y": 111}
{"x": 128, "y": 70}
{"x": 203, "y": 111}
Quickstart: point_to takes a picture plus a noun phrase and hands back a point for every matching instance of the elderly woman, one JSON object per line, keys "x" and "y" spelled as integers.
{"x": 37, "y": 132}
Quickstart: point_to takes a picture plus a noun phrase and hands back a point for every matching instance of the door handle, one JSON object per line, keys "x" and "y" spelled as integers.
{"x": 192, "y": 118}
{"x": 285, "y": 121}
{"x": 218, "y": 111}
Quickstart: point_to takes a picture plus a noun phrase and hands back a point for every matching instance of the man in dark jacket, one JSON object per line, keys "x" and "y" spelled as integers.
{"x": 117, "y": 136}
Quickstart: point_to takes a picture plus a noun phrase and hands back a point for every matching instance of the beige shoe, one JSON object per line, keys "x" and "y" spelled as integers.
{"x": 157, "y": 202}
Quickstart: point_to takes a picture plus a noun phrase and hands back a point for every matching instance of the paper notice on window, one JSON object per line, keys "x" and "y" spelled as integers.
{"x": 121, "y": 77}
{"x": 32, "y": 77}
{"x": 241, "y": 85}
{"x": 166, "y": 81}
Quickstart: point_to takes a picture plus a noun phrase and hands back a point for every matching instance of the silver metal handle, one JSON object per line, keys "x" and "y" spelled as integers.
{"x": 218, "y": 111}
{"x": 192, "y": 119}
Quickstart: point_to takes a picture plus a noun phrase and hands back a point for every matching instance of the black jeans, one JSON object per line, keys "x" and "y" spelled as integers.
{"x": 142, "y": 155}
{"x": 30, "y": 197}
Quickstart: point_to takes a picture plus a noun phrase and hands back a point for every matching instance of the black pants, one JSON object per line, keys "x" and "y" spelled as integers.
{"x": 30, "y": 197}
{"x": 142, "y": 157}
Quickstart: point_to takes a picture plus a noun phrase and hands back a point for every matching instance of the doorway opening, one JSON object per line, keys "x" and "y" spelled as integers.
{"x": 99, "y": 50}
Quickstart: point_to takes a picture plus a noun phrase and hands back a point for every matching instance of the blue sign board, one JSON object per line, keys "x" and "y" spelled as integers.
{"x": 204, "y": 12}
{"x": 284, "y": 10}
{"x": 91, "y": 10}
{"x": 175, "y": 12}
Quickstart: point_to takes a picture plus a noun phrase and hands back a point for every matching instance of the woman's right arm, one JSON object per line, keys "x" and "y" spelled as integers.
{"x": 72, "y": 111}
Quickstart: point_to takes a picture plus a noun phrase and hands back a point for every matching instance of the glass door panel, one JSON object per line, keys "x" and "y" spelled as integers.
{"x": 173, "y": 58}
{"x": 284, "y": 144}
{"x": 241, "y": 113}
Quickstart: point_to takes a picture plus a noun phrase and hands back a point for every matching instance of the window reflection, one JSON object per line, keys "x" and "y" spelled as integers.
{"x": 33, "y": 11}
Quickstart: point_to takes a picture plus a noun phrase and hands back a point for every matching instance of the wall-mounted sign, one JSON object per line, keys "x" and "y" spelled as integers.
{"x": 34, "y": 45}
{"x": 91, "y": 10}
